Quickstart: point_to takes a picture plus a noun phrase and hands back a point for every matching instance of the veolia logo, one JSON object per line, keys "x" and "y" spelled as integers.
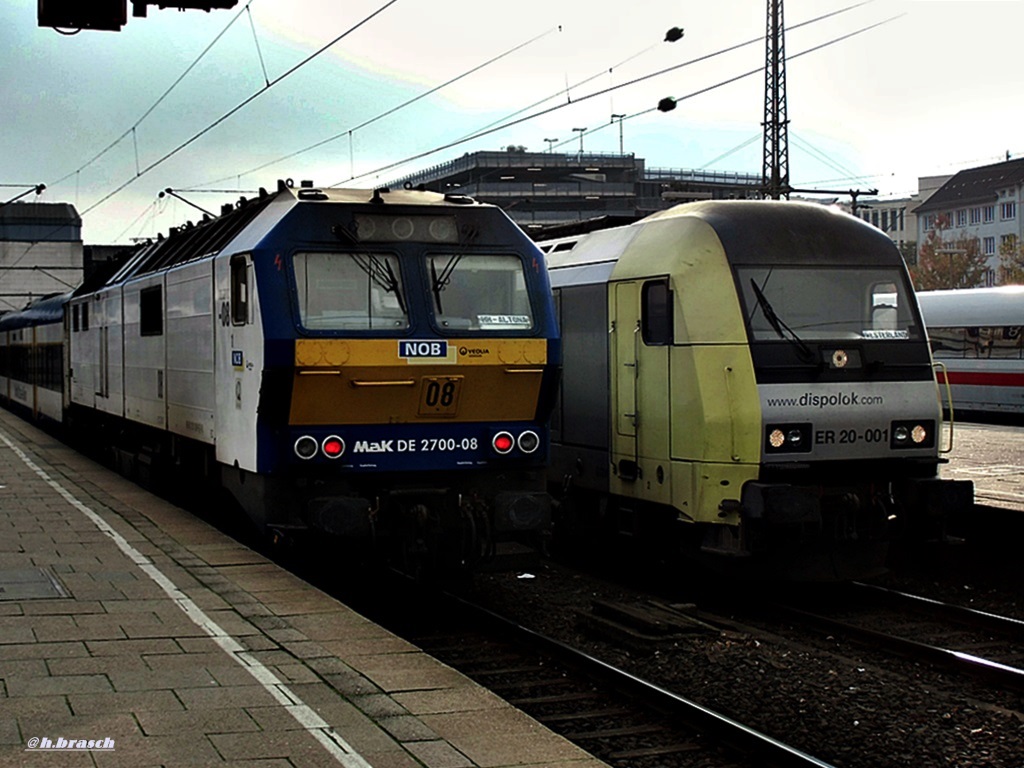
{"x": 431, "y": 348}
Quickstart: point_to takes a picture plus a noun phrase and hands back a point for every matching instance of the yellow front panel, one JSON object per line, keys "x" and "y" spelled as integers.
{"x": 367, "y": 382}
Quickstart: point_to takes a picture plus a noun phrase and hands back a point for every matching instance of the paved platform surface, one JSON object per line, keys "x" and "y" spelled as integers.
{"x": 134, "y": 634}
{"x": 993, "y": 457}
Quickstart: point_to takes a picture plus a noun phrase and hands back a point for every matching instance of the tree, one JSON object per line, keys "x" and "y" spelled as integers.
{"x": 948, "y": 262}
{"x": 908, "y": 248}
{"x": 1011, "y": 262}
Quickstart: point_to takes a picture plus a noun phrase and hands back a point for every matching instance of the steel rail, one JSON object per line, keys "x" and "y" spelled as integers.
{"x": 760, "y": 747}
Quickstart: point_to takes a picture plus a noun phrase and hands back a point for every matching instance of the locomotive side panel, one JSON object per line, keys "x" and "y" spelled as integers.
{"x": 108, "y": 329}
{"x": 145, "y": 351}
{"x": 191, "y": 394}
{"x": 579, "y": 438}
{"x": 238, "y": 355}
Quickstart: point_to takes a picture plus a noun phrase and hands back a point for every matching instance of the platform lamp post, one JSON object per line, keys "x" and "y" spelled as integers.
{"x": 551, "y": 145}
{"x": 580, "y": 131}
{"x": 620, "y": 119}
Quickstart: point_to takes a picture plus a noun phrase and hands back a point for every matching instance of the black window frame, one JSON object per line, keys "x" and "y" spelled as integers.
{"x": 656, "y": 314}
{"x": 151, "y": 311}
{"x": 239, "y": 290}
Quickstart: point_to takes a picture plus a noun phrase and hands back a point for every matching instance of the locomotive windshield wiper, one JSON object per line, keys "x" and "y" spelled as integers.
{"x": 380, "y": 273}
{"x": 440, "y": 282}
{"x": 779, "y": 326}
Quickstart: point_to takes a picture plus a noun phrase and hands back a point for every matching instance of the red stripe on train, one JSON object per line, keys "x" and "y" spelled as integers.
{"x": 981, "y": 378}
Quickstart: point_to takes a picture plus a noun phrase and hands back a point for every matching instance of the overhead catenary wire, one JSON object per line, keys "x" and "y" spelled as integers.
{"x": 602, "y": 92}
{"x": 391, "y": 111}
{"x": 155, "y": 104}
{"x": 596, "y": 75}
{"x": 503, "y": 122}
{"x": 239, "y": 107}
{"x": 823, "y": 157}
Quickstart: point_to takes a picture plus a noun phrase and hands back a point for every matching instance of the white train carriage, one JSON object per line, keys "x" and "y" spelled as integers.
{"x": 976, "y": 336}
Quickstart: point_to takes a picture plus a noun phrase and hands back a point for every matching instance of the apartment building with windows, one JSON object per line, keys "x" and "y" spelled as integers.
{"x": 982, "y": 203}
{"x": 896, "y": 216}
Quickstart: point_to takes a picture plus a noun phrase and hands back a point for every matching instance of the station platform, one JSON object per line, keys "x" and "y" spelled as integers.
{"x": 992, "y": 456}
{"x": 134, "y": 634}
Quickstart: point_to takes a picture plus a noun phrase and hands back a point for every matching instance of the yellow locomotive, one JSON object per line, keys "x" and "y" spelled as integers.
{"x": 750, "y": 379}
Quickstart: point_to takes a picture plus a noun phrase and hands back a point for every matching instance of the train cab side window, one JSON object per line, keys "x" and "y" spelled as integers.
{"x": 884, "y": 306}
{"x": 656, "y": 313}
{"x": 239, "y": 290}
{"x": 151, "y": 311}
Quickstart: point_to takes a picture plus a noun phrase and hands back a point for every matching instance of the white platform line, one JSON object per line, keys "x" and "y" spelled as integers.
{"x": 304, "y": 715}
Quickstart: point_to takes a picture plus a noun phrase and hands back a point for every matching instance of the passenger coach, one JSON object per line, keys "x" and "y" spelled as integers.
{"x": 977, "y": 335}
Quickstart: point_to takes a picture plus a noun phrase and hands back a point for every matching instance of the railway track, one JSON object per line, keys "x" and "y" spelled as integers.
{"x": 976, "y": 643}
{"x": 619, "y": 718}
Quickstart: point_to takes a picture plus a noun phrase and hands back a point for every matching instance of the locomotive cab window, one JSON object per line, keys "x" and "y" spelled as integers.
{"x": 656, "y": 313}
{"x": 350, "y": 291}
{"x": 239, "y": 290}
{"x": 479, "y": 293}
{"x": 815, "y": 303}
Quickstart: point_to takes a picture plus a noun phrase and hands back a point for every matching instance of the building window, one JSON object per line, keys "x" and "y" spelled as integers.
{"x": 961, "y": 217}
{"x": 885, "y": 221}
{"x": 989, "y": 213}
{"x": 1007, "y": 211}
{"x": 1007, "y": 242}
{"x": 929, "y": 222}
{"x": 990, "y": 277}
{"x": 975, "y": 215}
{"x": 988, "y": 246}
{"x": 874, "y": 218}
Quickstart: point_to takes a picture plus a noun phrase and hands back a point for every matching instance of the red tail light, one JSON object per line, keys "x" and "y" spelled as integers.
{"x": 503, "y": 442}
{"x": 333, "y": 447}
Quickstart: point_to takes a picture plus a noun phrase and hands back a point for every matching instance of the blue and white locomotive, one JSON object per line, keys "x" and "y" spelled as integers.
{"x": 371, "y": 364}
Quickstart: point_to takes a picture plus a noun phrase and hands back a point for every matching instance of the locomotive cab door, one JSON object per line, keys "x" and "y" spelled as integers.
{"x": 625, "y": 319}
{"x": 640, "y": 347}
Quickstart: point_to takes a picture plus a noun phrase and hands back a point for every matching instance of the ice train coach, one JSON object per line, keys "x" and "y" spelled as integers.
{"x": 977, "y": 335}
{"x": 378, "y": 365}
{"x": 749, "y": 380}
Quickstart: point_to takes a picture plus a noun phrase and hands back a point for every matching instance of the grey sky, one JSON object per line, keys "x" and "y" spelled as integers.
{"x": 933, "y": 90}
